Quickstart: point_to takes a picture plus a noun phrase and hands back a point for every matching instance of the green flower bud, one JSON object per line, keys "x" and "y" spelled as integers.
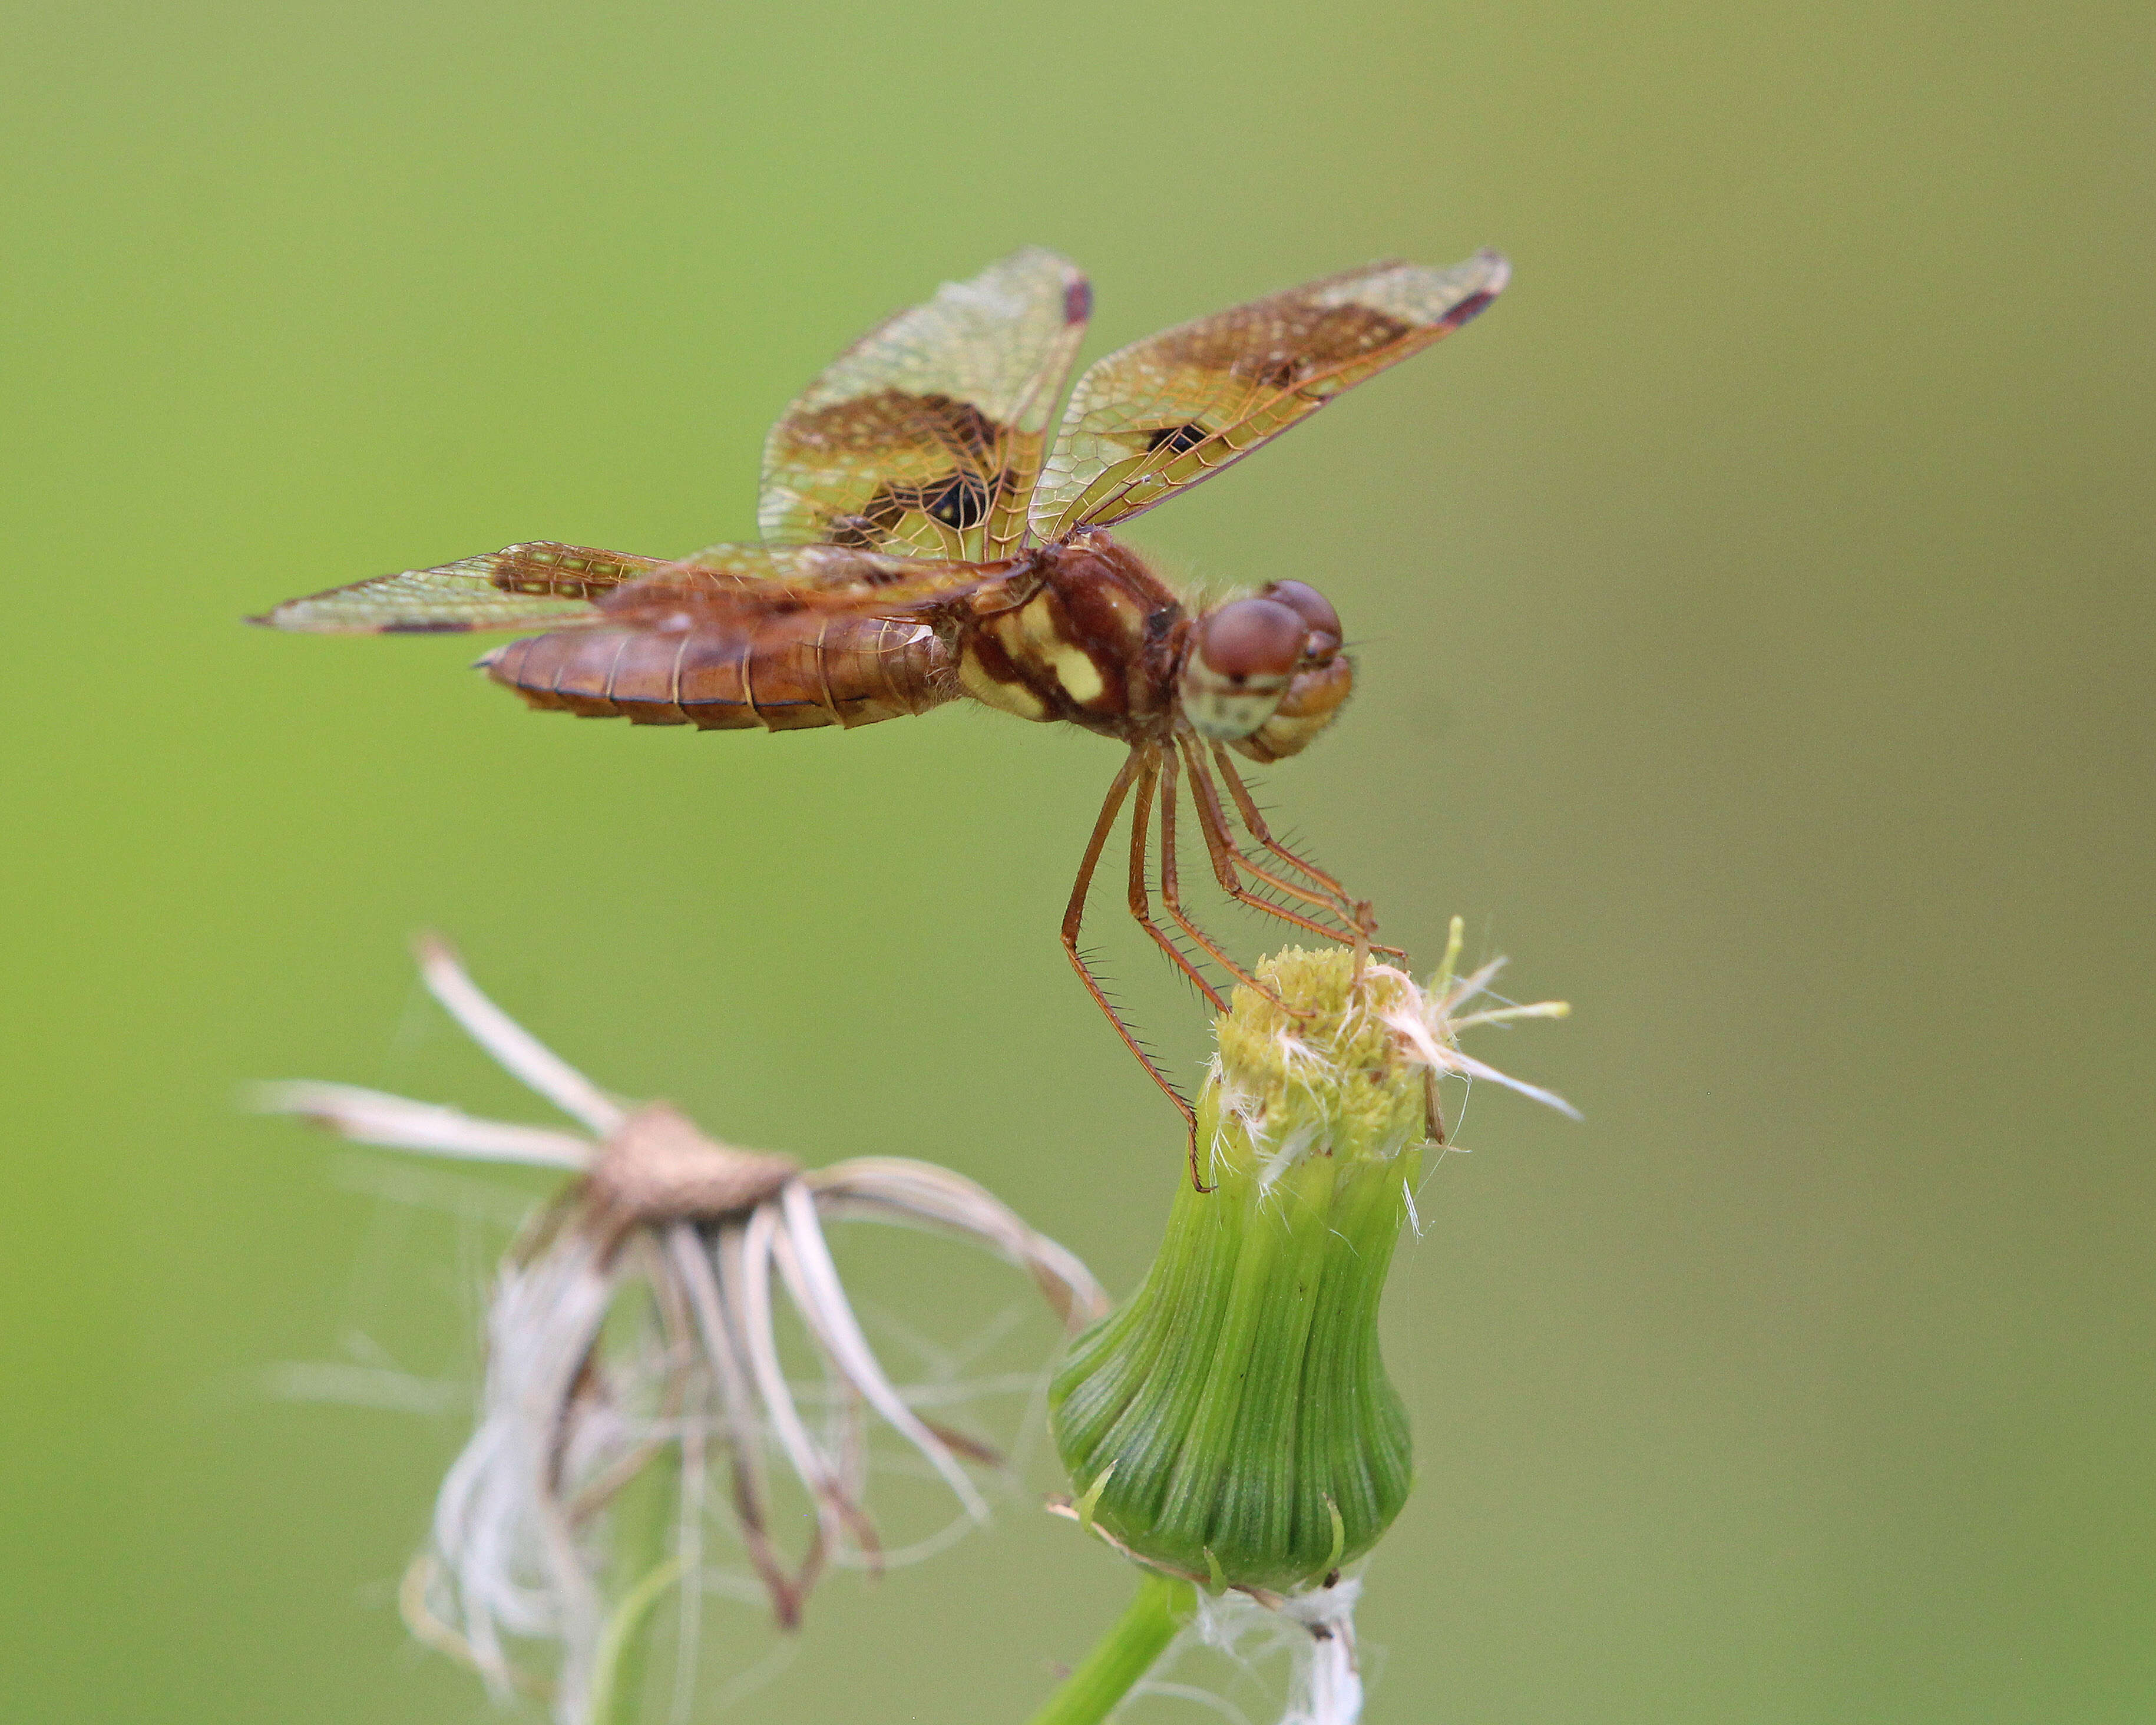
{"x": 1232, "y": 1420}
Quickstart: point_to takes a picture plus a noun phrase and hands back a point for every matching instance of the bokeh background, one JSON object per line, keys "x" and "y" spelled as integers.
{"x": 1755, "y": 640}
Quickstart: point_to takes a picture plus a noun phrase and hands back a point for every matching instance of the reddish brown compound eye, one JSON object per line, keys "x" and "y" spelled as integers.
{"x": 1316, "y": 611}
{"x": 1248, "y": 638}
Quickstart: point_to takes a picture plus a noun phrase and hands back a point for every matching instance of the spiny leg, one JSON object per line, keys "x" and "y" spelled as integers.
{"x": 1171, "y": 894}
{"x": 1356, "y": 912}
{"x": 1326, "y": 895}
{"x": 1157, "y": 762}
{"x": 1141, "y": 903}
{"x": 1228, "y": 860}
{"x": 1246, "y": 805}
{"x": 1227, "y": 854}
{"x": 1075, "y": 914}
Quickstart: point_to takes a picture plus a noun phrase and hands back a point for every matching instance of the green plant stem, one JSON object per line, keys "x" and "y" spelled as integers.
{"x": 643, "y": 1569}
{"x": 1124, "y": 1654}
{"x": 617, "y": 1672}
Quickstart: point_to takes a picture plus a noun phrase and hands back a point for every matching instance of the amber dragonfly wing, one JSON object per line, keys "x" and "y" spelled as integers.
{"x": 924, "y": 438}
{"x": 546, "y": 586}
{"x": 540, "y": 585}
{"x": 1175, "y": 408}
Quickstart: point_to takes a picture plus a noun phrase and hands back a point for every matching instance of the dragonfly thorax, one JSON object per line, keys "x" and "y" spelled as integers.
{"x": 1090, "y": 635}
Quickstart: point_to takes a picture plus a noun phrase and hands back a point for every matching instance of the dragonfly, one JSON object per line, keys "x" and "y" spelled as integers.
{"x": 923, "y": 542}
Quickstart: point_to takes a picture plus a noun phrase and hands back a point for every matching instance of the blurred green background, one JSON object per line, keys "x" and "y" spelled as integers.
{"x": 1755, "y": 643}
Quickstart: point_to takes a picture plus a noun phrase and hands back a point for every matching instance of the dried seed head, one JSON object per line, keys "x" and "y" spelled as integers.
{"x": 656, "y": 1167}
{"x": 639, "y": 1323}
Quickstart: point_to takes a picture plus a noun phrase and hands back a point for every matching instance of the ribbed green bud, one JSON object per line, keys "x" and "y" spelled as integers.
{"x": 1232, "y": 1420}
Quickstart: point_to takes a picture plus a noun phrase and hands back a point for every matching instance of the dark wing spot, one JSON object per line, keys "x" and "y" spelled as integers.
{"x": 425, "y": 626}
{"x": 1176, "y": 439}
{"x": 960, "y": 502}
{"x": 1078, "y": 302}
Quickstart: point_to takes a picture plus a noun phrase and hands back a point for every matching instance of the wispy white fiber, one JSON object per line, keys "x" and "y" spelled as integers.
{"x": 699, "y": 1237}
{"x": 1429, "y": 1020}
{"x": 1313, "y": 1631}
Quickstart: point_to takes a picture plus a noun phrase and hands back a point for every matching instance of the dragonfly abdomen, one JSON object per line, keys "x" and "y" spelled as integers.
{"x": 777, "y": 673}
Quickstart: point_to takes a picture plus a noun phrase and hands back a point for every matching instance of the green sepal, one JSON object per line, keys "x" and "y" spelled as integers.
{"x": 1232, "y": 1420}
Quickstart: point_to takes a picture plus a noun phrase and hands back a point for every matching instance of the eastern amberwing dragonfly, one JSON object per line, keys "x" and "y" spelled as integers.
{"x": 923, "y": 542}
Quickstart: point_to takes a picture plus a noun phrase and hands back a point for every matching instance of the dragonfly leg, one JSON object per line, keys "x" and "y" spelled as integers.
{"x": 1075, "y": 914}
{"x": 1332, "y": 896}
{"x": 1171, "y": 894}
{"x": 1246, "y": 805}
{"x": 1229, "y": 862}
{"x": 1141, "y": 902}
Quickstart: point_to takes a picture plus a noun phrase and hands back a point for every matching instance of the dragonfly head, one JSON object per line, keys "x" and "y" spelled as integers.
{"x": 1266, "y": 674}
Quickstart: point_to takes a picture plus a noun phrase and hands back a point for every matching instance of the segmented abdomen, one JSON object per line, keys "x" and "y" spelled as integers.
{"x": 784, "y": 673}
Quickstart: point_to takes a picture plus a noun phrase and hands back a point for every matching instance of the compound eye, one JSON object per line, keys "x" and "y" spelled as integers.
{"x": 1249, "y": 639}
{"x": 1316, "y": 611}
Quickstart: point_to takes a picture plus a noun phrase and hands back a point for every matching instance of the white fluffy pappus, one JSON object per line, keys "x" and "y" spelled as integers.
{"x": 707, "y": 1238}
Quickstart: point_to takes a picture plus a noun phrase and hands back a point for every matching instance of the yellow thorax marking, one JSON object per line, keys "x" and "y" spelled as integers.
{"x": 1075, "y": 671}
{"x": 1038, "y": 622}
{"x": 1031, "y": 636}
{"x": 992, "y": 691}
